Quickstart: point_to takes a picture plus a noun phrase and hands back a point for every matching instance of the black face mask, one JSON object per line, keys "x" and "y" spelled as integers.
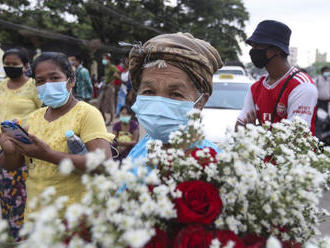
{"x": 259, "y": 58}
{"x": 13, "y": 72}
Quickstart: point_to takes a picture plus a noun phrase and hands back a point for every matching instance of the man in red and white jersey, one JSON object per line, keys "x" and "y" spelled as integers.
{"x": 285, "y": 92}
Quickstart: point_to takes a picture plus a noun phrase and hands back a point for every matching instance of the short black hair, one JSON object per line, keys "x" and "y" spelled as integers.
{"x": 324, "y": 68}
{"x": 107, "y": 55}
{"x": 59, "y": 59}
{"x": 128, "y": 109}
{"x": 19, "y": 52}
{"x": 282, "y": 53}
{"x": 78, "y": 57}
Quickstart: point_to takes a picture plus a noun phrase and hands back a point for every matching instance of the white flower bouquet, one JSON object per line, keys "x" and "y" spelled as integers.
{"x": 263, "y": 183}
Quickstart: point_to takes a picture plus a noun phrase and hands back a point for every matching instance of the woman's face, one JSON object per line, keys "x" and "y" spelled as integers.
{"x": 125, "y": 116}
{"x": 12, "y": 60}
{"x": 47, "y": 71}
{"x": 106, "y": 58}
{"x": 170, "y": 82}
{"x": 124, "y": 113}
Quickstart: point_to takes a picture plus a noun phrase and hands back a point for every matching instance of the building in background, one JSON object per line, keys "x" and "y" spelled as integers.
{"x": 293, "y": 57}
{"x": 310, "y": 57}
{"x": 320, "y": 57}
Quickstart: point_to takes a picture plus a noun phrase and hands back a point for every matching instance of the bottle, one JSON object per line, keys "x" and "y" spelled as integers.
{"x": 75, "y": 144}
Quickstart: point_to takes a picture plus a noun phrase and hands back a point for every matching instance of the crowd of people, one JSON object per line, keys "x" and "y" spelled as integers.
{"x": 112, "y": 91}
{"x": 49, "y": 103}
{"x": 155, "y": 85}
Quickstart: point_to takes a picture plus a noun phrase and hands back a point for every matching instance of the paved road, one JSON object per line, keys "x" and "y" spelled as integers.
{"x": 325, "y": 203}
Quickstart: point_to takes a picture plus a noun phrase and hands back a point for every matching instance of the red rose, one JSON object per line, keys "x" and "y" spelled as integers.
{"x": 160, "y": 240}
{"x": 289, "y": 243}
{"x": 200, "y": 202}
{"x": 151, "y": 188}
{"x": 83, "y": 232}
{"x": 193, "y": 236}
{"x": 204, "y": 161}
{"x": 254, "y": 241}
{"x": 224, "y": 236}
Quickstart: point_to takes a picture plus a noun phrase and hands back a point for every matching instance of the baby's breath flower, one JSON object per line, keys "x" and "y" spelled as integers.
{"x": 66, "y": 166}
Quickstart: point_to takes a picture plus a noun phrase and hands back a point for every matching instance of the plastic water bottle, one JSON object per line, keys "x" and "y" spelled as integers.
{"x": 75, "y": 144}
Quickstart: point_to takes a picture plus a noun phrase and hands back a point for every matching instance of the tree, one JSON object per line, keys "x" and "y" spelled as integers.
{"x": 317, "y": 66}
{"x": 221, "y": 22}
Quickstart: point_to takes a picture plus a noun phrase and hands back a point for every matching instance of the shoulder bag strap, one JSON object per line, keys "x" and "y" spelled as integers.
{"x": 281, "y": 93}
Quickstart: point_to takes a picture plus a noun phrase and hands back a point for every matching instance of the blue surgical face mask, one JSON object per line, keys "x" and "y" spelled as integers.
{"x": 160, "y": 116}
{"x": 53, "y": 94}
{"x": 104, "y": 61}
{"x": 125, "y": 118}
{"x": 326, "y": 74}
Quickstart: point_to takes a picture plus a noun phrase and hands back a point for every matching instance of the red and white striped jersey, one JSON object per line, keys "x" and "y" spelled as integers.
{"x": 298, "y": 99}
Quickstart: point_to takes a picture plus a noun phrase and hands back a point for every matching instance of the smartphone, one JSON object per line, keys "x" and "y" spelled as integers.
{"x": 16, "y": 131}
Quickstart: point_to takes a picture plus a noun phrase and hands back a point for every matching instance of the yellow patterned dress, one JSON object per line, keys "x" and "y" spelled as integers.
{"x": 15, "y": 104}
{"x": 87, "y": 123}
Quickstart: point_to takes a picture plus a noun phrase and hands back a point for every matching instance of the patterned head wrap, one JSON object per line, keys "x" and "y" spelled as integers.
{"x": 196, "y": 57}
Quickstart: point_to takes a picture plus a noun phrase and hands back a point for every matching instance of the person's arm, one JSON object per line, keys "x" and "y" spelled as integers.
{"x": 116, "y": 73}
{"x": 10, "y": 158}
{"x": 40, "y": 150}
{"x": 248, "y": 114}
{"x": 124, "y": 77}
{"x": 79, "y": 161}
{"x": 11, "y": 161}
{"x": 92, "y": 132}
{"x": 302, "y": 101}
{"x": 87, "y": 81}
{"x": 107, "y": 75}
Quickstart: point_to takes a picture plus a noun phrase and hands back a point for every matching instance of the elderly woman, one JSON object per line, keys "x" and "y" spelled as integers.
{"x": 172, "y": 74}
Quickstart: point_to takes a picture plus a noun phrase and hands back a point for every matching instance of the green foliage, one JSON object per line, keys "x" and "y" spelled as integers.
{"x": 317, "y": 66}
{"x": 221, "y": 22}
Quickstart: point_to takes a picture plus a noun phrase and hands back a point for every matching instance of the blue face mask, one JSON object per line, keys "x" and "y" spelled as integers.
{"x": 104, "y": 61}
{"x": 326, "y": 74}
{"x": 53, "y": 94}
{"x": 160, "y": 116}
{"x": 125, "y": 118}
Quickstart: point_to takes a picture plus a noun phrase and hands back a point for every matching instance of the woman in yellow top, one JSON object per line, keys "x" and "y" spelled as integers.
{"x": 18, "y": 98}
{"x": 47, "y": 126}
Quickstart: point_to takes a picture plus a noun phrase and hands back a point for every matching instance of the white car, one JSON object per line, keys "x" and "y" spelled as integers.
{"x": 232, "y": 70}
{"x": 224, "y": 105}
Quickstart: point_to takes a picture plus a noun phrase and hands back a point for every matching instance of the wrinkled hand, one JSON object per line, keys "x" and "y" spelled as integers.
{"x": 7, "y": 143}
{"x": 38, "y": 149}
{"x": 250, "y": 118}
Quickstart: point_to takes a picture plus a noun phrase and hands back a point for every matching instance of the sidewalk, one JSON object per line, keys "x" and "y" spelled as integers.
{"x": 325, "y": 203}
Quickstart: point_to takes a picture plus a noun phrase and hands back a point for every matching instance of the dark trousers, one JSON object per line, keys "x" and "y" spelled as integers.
{"x": 323, "y": 104}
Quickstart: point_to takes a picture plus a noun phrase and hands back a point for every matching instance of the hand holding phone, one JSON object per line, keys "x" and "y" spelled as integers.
{"x": 14, "y": 130}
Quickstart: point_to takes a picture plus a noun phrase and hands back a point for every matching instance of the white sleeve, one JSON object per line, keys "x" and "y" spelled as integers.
{"x": 247, "y": 107}
{"x": 302, "y": 101}
{"x": 124, "y": 76}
